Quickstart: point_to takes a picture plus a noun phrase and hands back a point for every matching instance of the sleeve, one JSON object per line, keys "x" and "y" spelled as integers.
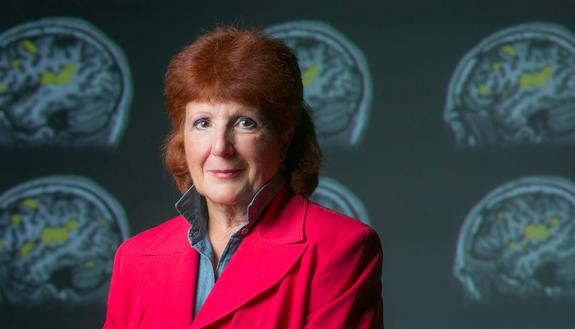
{"x": 347, "y": 285}
{"x": 125, "y": 310}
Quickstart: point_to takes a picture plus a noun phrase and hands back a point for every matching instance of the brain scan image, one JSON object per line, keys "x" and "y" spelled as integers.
{"x": 518, "y": 242}
{"x": 336, "y": 78}
{"x": 515, "y": 87}
{"x": 333, "y": 195}
{"x": 63, "y": 84}
{"x": 58, "y": 236}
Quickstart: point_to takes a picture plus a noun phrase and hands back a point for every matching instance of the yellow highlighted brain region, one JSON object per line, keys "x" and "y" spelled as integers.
{"x": 515, "y": 87}
{"x": 54, "y": 246}
{"x": 336, "y": 78}
{"x": 519, "y": 242}
{"x": 63, "y": 84}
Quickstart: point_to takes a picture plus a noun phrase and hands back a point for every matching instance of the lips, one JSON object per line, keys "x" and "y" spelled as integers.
{"x": 225, "y": 173}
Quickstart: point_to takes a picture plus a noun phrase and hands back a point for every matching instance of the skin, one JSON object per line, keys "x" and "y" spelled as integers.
{"x": 231, "y": 152}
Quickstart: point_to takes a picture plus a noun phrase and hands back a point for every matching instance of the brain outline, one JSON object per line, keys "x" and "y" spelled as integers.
{"x": 57, "y": 240}
{"x": 515, "y": 87}
{"x": 333, "y": 79}
{"x": 56, "y": 78}
{"x": 519, "y": 242}
{"x": 334, "y": 195}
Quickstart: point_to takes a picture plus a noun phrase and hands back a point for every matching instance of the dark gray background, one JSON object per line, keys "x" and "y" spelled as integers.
{"x": 417, "y": 186}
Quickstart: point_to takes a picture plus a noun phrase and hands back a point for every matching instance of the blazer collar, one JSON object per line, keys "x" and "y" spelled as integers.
{"x": 283, "y": 220}
{"x": 169, "y": 238}
{"x": 168, "y": 284}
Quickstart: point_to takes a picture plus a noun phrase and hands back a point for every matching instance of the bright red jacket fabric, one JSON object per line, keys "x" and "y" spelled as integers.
{"x": 302, "y": 266}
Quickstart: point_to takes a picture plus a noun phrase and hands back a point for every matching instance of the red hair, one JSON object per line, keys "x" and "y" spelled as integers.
{"x": 247, "y": 67}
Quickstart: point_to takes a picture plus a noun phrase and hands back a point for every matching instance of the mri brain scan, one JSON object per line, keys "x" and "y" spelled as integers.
{"x": 333, "y": 195}
{"x": 337, "y": 82}
{"x": 515, "y": 87}
{"x": 57, "y": 240}
{"x": 519, "y": 242}
{"x": 62, "y": 84}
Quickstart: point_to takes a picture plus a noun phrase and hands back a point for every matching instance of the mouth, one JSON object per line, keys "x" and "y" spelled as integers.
{"x": 225, "y": 173}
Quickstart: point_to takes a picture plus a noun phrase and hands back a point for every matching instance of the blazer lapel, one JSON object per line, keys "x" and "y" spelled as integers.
{"x": 262, "y": 260}
{"x": 167, "y": 274}
{"x": 168, "y": 286}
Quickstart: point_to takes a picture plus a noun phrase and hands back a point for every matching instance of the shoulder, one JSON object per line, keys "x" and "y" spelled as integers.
{"x": 325, "y": 226}
{"x": 168, "y": 237}
{"x": 346, "y": 257}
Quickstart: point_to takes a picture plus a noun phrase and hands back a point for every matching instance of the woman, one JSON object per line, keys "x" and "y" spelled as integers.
{"x": 248, "y": 249}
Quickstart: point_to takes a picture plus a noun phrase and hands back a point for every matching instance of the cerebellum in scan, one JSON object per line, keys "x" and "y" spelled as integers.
{"x": 336, "y": 78}
{"x": 334, "y": 195}
{"x": 63, "y": 84}
{"x": 515, "y": 87}
{"x": 518, "y": 242}
{"x": 58, "y": 235}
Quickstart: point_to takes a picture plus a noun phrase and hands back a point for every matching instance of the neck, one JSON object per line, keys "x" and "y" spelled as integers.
{"x": 224, "y": 218}
{"x": 223, "y": 222}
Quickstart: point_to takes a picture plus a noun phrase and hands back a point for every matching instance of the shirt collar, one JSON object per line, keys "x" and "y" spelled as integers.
{"x": 192, "y": 206}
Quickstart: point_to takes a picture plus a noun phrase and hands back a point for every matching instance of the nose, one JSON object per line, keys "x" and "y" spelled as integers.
{"x": 222, "y": 144}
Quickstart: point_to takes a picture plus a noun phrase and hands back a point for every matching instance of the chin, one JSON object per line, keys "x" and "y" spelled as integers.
{"x": 227, "y": 198}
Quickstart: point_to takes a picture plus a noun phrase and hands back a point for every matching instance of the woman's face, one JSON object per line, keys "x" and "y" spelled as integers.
{"x": 231, "y": 151}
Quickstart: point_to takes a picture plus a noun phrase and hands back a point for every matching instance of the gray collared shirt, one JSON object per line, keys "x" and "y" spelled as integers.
{"x": 193, "y": 207}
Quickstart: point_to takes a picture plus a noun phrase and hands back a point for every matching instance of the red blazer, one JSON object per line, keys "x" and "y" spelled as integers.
{"x": 302, "y": 266}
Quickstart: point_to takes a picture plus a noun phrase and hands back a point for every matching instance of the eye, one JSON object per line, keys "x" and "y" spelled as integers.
{"x": 201, "y": 124}
{"x": 246, "y": 123}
